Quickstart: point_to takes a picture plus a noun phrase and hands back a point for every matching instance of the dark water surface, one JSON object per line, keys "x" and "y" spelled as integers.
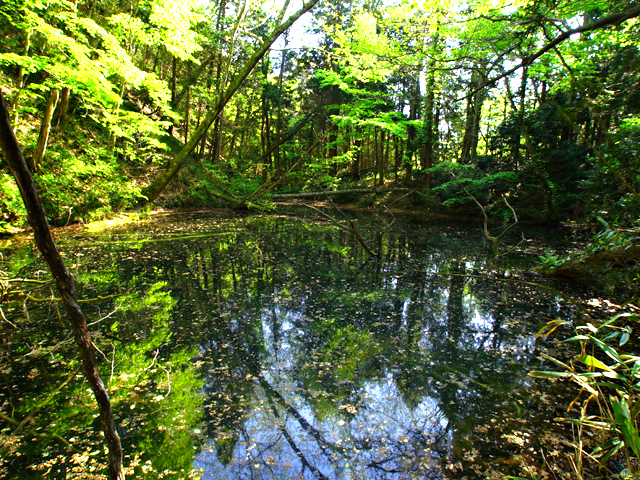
{"x": 276, "y": 348}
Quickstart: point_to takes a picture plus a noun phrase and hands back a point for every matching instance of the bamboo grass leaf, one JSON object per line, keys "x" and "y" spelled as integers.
{"x": 540, "y": 374}
{"x": 593, "y": 362}
{"x": 627, "y": 427}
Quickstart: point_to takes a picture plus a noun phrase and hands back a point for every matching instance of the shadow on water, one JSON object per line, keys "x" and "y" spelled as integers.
{"x": 270, "y": 347}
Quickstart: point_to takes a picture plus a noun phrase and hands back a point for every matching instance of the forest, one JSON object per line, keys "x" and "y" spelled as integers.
{"x": 504, "y": 118}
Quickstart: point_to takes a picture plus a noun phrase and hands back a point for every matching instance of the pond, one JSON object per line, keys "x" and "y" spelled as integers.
{"x": 273, "y": 347}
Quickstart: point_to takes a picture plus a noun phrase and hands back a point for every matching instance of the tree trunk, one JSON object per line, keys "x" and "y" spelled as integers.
{"x": 396, "y": 162}
{"x": 63, "y": 106}
{"x": 174, "y": 74}
{"x": 216, "y": 137}
{"x": 518, "y": 136}
{"x": 426, "y": 157}
{"x": 216, "y": 141}
{"x": 333, "y": 149}
{"x": 283, "y": 64}
{"x": 187, "y": 110}
{"x": 264, "y": 138}
{"x": 380, "y": 158}
{"x": 412, "y": 140}
{"x": 292, "y": 133}
{"x": 14, "y": 158}
{"x": 436, "y": 143}
{"x": 474, "y": 114}
{"x": 430, "y": 124}
{"x": 45, "y": 127}
{"x": 385, "y": 157}
{"x": 355, "y": 166}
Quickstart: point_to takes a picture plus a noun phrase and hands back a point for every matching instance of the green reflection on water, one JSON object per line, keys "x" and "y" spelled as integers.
{"x": 274, "y": 348}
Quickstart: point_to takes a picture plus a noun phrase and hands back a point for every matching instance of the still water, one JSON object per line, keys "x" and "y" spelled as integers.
{"x": 277, "y": 348}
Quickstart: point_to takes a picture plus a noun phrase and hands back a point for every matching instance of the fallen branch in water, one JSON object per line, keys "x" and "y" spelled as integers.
{"x": 6, "y": 320}
{"x": 20, "y": 295}
{"x": 62, "y": 440}
{"x": 351, "y": 228}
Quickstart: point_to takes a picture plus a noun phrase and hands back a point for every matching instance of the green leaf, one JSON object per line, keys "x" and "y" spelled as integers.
{"x": 592, "y": 362}
{"x": 540, "y": 374}
{"x": 608, "y": 350}
{"x": 557, "y": 362}
{"x": 586, "y": 422}
{"x": 577, "y": 338}
{"x": 584, "y": 384}
{"x": 627, "y": 427}
{"x": 612, "y": 385}
{"x": 611, "y": 336}
{"x": 624, "y": 339}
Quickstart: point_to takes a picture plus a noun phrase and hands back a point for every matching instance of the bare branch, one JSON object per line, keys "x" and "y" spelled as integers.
{"x": 495, "y": 241}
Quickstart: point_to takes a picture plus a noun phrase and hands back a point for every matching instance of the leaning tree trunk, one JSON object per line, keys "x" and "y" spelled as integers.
{"x": 14, "y": 158}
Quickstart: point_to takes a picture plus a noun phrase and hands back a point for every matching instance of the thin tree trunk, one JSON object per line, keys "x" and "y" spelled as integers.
{"x": 216, "y": 137}
{"x": 332, "y": 152}
{"x": 45, "y": 127}
{"x": 518, "y": 135}
{"x": 385, "y": 156}
{"x": 155, "y": 61}
{"x": 14, "y": 158}
{"x": 292, "y": 133}
{"x": 412, "y": 137}
{"x": 380, "y": 158}
{"x": 63, "y": 106}
{"x": 436, "y": 142}
{"x": 429, "y": 129}
{"x": 283, "y": 64}
{"x": 265, "y": 127}
{"x": 186, "y": 116}
{"x": 355, "y": 166}
{"x": 396, "y": 162}
{"x": 174, "y": 74}
{"x": 474, "y": 114}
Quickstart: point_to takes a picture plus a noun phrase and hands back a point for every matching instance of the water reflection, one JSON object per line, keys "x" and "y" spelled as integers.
{"x": 276, "y": 348}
